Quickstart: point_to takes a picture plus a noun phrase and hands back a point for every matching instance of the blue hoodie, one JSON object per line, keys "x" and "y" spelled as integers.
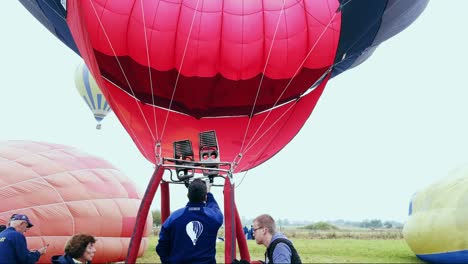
{"x": 282, "y": 252}
{"x": 189, "y": 234}
{"x": 13, "y": 248}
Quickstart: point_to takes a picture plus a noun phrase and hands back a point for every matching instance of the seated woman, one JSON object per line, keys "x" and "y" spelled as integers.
{"x": 79, "y": 249}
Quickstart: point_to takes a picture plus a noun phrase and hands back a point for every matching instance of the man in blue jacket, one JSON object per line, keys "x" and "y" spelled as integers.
{"x": 189, "y": 234}
{"x": 13, "y": 246}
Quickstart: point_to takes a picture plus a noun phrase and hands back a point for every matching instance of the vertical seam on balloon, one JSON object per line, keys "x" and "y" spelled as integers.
{"x": 262, "y": 75}
{"x": 122, "y": 70}
{"x": 180, "y": 70}
{"x": 239, "y": 72}
{"x": 306, "y": 18}
{"x": 294, "y": 75}
{"x": 199, "y": 29}
{"x": 149, "y": 68}
{"x": 64, "y": 204}
{"x": 335, "y": 41}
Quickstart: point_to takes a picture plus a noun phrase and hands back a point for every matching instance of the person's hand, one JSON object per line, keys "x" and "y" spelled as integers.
{"x": 43, "y": 249}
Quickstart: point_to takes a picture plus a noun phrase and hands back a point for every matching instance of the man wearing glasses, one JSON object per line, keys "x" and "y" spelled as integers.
{"x": 13, "y": 246}
{"x": 279, "y": 248}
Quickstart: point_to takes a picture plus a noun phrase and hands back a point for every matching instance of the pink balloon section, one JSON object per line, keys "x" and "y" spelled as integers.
{"x": 65, "y": 191}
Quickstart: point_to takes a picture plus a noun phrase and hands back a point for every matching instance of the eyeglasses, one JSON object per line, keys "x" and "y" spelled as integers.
{"x": 255, "y": 229}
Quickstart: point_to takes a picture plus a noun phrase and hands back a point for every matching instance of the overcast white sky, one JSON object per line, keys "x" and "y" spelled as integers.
{"x": 380, "y": 132}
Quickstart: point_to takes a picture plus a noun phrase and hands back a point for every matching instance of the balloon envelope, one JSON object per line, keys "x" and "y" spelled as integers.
{"x": 437, "y": 226}
{"x": 64, "y": 191}
{"x": 90, "y": 92}
{"x": 252, "y": 71}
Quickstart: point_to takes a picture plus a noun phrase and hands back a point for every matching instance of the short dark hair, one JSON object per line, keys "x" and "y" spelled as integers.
{"x": 197, "y": 191}
{"x": 266, "y": 221}
{"x": 76, "y": 246}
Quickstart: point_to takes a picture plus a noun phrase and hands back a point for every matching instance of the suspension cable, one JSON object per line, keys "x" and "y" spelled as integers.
{"x": 290, "y": 81}
{"x": 121, "y": 68}
{"x": 180, "y": 69}
{"x": 149, "y": 69}
{"x": 262, "y": 75}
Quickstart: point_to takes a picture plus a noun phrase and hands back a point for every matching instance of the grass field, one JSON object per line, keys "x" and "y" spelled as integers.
{"x": 324, "y": 251}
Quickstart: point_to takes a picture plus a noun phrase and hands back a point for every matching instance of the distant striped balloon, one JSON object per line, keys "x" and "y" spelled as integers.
{"x": 92, "y": 95}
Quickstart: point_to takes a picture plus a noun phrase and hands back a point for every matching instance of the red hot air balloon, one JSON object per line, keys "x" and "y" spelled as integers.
{"x": 64, "y": 191}
{"x": 252, "y": 70}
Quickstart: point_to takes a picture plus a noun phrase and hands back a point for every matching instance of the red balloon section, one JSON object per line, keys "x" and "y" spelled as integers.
{"x": 240, "y": 68}
{"x": 64, "y": 192}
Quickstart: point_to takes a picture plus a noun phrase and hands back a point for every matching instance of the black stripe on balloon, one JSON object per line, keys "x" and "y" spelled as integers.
{"x": 360, "y": 23}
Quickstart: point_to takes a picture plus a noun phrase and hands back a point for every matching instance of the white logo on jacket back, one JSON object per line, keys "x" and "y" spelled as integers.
{"x": 194, "y": 230}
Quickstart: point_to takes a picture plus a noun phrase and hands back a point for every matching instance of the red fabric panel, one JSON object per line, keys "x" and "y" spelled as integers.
{"x": 165, "y": 202}
{"x": 241, "y": 240}
{"x": 229, "y": 222}
{"x": 128, "y": 223}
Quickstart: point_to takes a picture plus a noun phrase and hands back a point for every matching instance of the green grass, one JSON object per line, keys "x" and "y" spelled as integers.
{"x": 324, "y": 251}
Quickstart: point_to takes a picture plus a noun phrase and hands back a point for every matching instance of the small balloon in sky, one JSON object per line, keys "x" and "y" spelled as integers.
{"x": 91, "y": 94}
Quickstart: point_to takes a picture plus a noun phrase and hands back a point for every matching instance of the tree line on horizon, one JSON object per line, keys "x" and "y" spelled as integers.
{"x": 340, "y": 223}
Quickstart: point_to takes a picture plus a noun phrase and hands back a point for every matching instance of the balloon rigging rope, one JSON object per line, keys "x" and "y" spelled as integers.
{"x": 180, "y": 68}
{"x": 149, "y": 68}
{"x": 121, "y": 68}
{"x": 237, "y": 186}
{"x": 355, "y": 42}
{"x": 135, "y": 138}
{"x": 263, "y": 75}
{"x": 249, "y": 145}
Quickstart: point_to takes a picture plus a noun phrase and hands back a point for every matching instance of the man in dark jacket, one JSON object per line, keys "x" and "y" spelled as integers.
{"x": 189, "y": 234}
{"x": 13, "y": 246}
